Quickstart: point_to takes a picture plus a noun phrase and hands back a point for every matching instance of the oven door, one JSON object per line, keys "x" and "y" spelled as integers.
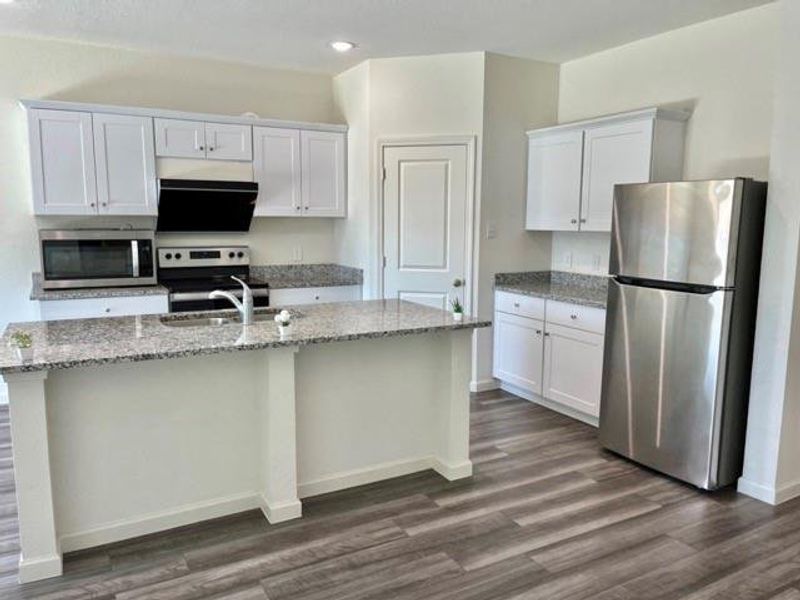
{"x": 199, "y": 301}
{"x": 77, "y": 260}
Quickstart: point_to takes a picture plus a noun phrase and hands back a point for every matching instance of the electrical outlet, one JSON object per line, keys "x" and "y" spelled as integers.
{"x": 491, "y": 230}
{"x": 297, "y": 254}
{"x": 596, "y": 259}
{"x": 566, "y": 261}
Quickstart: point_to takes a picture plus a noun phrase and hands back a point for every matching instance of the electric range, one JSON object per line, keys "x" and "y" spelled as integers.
{"x": 191, "y": 272}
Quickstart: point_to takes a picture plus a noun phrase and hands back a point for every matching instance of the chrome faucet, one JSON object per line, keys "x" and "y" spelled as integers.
{"x": 245, "y": 307}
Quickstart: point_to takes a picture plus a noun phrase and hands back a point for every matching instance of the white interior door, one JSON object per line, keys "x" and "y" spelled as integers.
{"x": 426, "y": 193}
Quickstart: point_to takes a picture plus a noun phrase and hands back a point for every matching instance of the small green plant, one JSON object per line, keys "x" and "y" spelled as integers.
{"x": 21, "y": 339}
{"x": 283, "y": 318}
{"x": 455, "y": 304}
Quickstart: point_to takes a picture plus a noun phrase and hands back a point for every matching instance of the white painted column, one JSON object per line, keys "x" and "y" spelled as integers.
{"x": 41, "y": 555}
{"x": 278, "y": 432}
{"x": 771, "y": 465}
{"x": 452, "y": 461}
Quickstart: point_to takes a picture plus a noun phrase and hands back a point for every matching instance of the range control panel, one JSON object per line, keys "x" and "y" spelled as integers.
{"x": 193, "y": 256}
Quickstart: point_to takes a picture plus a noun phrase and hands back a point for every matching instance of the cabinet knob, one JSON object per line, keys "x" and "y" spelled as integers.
{"x": 202, "y": 147}
{"x": 92, "y": 204}
{"x": 516, "y": 304}
{"x": 583, "y": 220}
{"x": 298, "y": 208}
{"x": 316, "y": 297}
{"x": 211, "y": 148}
{"x": 306, "y": 208}
{"x": 546, "y": 334}
{"x": 108, "y": 310}
{"x": 573, "y": 317}
{"x": 574, "y": 221}
{"x": 105, "y": 203}
{"x": 538, "y": 332}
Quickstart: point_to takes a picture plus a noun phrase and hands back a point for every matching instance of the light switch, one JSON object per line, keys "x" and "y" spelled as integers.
{"x": 491, "y": 230}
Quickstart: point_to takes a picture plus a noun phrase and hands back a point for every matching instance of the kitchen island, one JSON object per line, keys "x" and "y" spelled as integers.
{"x": 130, "y": 425}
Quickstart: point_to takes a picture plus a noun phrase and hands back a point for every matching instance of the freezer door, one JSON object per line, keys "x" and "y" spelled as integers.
{"x": 680, "y": 232}
{"x": 663, "y": 379}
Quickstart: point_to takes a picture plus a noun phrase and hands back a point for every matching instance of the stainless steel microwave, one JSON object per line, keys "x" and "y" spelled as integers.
{"x": 83, "y": 258}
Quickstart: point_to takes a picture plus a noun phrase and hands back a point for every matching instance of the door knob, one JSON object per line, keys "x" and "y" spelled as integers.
{"x": 457, "y": 283}
{"x": 574, "y": 221}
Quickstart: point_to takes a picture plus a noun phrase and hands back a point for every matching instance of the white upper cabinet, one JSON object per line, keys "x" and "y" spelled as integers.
{"x": 573, "y": 168}
{"x": 554, "y": 181}
{"x": 323, "y": 173}
{"x": 229, "y": 142}
{"x": 180, "y": 139}
{"x": 612, "y": 154}
{"x": 177, "y": 138}
{"x": 126, "y": 165}
{"x": 276, "y": 168}
{"x": 62, "y": 162}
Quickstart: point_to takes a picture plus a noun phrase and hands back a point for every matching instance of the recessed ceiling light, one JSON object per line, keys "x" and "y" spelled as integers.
{"x": 342, "y": 46}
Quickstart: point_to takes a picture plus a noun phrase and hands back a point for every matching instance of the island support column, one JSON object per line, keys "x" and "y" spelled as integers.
{"x": 453, "y": 460}
{"x": 278, "y": 433}
{"x": 41, "y": 556}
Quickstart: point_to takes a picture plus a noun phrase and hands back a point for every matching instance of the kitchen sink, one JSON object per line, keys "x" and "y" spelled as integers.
{"x": 179, "y": 320}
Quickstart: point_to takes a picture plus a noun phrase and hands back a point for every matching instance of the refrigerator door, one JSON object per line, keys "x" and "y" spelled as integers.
{"x": 663, "y": 379}
{"x": 679, "y": 232}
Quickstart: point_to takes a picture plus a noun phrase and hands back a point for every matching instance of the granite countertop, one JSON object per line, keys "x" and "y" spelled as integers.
{"x": 87, "y": 342}
{"x": 574, "y": 288}
{"x": 38, "y": 293}
{"x": 277, "y": 276}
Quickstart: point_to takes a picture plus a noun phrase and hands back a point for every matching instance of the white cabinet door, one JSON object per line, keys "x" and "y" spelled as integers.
{"x": 619, "y": 153}
{"x": 229, "y": 142}
{"x": 126, "y": 165}
{"x": 554, "y": 181}
{"x": 180, "y": 139}
{"x": 314, "y": 295}
{"x": 573, "y": 368}
{"x": 62, "y": 162}
{"x": 518, "y": 347}
{"x": 323, "y": 168}
{"x": 276, "y": 168}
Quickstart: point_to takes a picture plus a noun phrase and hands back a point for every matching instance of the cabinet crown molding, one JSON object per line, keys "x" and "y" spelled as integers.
{"x": 667, "y": 114}
{"x": 164, "y": 113}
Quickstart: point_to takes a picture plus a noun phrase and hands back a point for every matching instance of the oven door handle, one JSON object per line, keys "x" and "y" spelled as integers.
{"x": 191, "y": 296}
{"x": 135, "y": 257}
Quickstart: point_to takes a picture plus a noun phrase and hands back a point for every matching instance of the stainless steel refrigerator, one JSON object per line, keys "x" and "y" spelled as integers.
{"x": 684, "y": 267}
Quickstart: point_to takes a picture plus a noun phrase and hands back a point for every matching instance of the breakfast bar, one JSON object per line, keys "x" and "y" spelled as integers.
{"x": 129, "y": 425}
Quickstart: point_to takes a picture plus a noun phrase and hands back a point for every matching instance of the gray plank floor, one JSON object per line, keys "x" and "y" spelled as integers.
{"x": 547, "y": 515}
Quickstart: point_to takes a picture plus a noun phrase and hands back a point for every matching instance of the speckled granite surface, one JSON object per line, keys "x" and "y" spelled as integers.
{"x": 86, "y": 342}
{"x": 300, "y": 276}
{"x": 37, "y": 293}
{"x": 277, "y": 276}
{"x": 575, "y": 288}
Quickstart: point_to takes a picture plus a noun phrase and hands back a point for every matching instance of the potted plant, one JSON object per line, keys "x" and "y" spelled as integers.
{"x": 22, "y": 341}
{"x": 284, "y": 320}
{"x": 458, "y": 309}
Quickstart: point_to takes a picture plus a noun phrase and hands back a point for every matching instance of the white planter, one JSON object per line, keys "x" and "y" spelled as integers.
{"x": 24, "y": 354}
{"x": 458, "y": 316}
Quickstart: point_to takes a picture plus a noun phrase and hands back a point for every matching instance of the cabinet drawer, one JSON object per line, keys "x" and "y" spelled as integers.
{"x": 117, "y": 306}
{"x": 587, "y": 318}
{"x": 519, "y": 304}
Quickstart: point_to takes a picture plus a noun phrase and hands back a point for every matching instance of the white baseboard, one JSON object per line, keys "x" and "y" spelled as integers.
{"x": 278, "y": 513}
{"x": 554, "y": 406}
{"x": 453, "y": 472}
{"x": 356, "y": 477}
{"x": 768, "y": 494}
{"x": 484, "y": 385}
{"x": 160, "y": 521}
{"x": 39, "y": 568}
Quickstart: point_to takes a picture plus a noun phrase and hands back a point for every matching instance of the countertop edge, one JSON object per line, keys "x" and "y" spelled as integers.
{"x": 549, "y": 296}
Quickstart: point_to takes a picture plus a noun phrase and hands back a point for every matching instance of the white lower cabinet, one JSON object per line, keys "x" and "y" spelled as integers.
{"x": 573, "y": 368}
{"x": 89, "y": 308}
{"x": 518, "y": 351}
{"x": 313, "y": 295}
{"x": 559, "y": 357}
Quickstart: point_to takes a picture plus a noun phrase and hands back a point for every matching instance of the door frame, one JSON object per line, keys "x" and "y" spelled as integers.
{"x": 469, "y": 142}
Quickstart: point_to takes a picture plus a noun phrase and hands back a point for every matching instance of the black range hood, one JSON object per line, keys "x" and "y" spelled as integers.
{"x": 201, "y": 205}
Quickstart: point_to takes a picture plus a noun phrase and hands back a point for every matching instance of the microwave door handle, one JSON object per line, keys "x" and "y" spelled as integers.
{"x": 135, "y": 257}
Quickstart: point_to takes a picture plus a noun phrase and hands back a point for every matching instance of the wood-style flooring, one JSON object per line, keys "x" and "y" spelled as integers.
{"x": 548, "y": 515}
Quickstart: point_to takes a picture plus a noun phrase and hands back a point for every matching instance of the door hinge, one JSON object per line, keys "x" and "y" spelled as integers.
{"x": 384, "y": 173}
{"x": 384, "y": 262}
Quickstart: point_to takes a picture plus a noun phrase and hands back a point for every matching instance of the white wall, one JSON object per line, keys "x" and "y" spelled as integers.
{"x": 721, "y": 69}
{"x": 518, "y": 94}
{"x": 67, "y": 71}
{"x": 772, "y": 465}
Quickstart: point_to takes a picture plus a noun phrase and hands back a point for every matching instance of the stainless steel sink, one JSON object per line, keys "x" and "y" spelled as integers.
{"x": 179, "y": 320}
